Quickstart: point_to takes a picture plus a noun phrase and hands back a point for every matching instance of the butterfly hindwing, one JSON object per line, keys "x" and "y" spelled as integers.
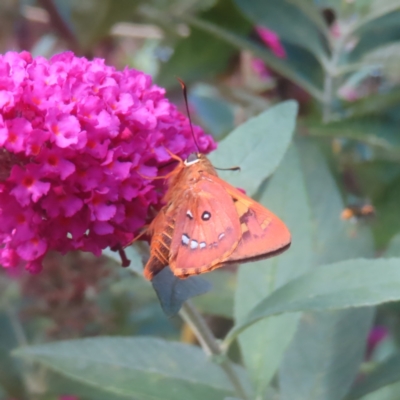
{"x": 207, "y": 229}
{"x": 161, "y": 230}
{"x": 263, "y": 233}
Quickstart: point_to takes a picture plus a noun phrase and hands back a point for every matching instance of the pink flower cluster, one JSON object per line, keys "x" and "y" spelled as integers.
{"x": 77, "y": 139}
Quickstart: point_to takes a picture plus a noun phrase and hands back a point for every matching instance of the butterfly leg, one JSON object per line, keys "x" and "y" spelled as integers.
{"x": 174, "y": 157}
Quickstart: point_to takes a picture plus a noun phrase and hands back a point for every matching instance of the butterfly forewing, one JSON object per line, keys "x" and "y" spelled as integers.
{"x": 207, "y": 229}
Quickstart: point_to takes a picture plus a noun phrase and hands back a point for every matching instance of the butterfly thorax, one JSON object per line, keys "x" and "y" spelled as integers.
{"x": 187, "y": 174}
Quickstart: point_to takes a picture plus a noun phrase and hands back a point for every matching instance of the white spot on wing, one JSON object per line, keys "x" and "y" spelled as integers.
{"x": 205, "y": 216}
{"x": 193, "y": 244}
{"x": 221, "y": 235}
{"x": 185, "y": 239}
{"x": 189, "y": 214}
{"x": 203, "y": 245}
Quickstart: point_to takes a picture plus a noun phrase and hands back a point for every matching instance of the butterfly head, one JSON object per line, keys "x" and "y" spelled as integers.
{"x": 193, "y": 159}
{"x": 198, "y": 162}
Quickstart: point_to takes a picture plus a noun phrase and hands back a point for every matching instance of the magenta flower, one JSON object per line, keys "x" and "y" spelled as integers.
{"x": 271, "y": 40}
{"x": 76, "y": 139}
{"x": 376, "y": 335}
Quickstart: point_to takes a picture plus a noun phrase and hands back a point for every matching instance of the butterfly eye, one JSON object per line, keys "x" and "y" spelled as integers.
{"x": 205, "y": 216}
{"x": 192, "y": 159}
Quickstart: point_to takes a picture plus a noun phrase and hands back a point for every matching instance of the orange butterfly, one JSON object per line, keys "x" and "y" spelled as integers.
{"x": 358, "y": 211}
{"x": 207, "y": 223}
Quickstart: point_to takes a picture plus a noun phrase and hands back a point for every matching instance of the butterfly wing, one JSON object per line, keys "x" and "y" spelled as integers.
{"x": 160, "y": 230}
{"x": 207, "y": 229}
{"x": 263, "y": 233}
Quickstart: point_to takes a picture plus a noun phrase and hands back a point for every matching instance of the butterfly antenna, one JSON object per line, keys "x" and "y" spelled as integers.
{"x": 184, "y": 90}
{"x": 228, "y": 169}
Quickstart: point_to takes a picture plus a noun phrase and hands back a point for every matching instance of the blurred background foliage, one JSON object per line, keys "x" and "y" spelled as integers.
{"x": 338, "y": 58}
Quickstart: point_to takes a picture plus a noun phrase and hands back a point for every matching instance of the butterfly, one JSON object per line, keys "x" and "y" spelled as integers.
{"x": 206, "y": 223}
{"x": 355, "y": 212}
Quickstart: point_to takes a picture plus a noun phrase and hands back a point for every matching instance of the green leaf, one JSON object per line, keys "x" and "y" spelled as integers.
{"x": 350, "y": 283}
{"x": 390, "y": 392}
{"x": 219, "y": 300}
{"x": 58, "y": 385}
{"x": 202, "y": 55}
{"x": 327, "y": 232}
{"x": 330, "y": 231}
{"x": 283, "y": 67}
{"x": 102, "y": 14}
{"x": 393, "y": 249}
{"x": 310, "y": 10}
{"x": 374, "y": 104}
{"x": 64, "y": 10}
{"x": 173, "y": 291}
{"x": 375, "y": 177}
{"x": 375, "y": 131}
{"x": 142, "y": 368}
{"x": 133, "y": 253}
{"x": 305, "y": 64}
{"x": 10, "y": 370}
{"x": 264, "y": 343}
{"x": 386, "y": 373}
{"x": 375, "y": 30}
{"x": 333, "y": 240}
{"x": 288, "y": 20}
{"x": 328, "y": 372}
{"x": 216, "y": 114}
{"x": 257, "y": 146}
{"x": 387, "y": 59}
{"x": 388, "y": 220}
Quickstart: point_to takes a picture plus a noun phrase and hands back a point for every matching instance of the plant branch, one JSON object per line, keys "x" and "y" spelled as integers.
{"x": 208, "y": 342}
{"x": 329, "y": 80}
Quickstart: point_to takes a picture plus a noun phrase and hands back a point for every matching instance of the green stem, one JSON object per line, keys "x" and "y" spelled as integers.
{"x": 208, "y": 342}
{"x": 328, "y": 89}
{"x": 329, "y": 81}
